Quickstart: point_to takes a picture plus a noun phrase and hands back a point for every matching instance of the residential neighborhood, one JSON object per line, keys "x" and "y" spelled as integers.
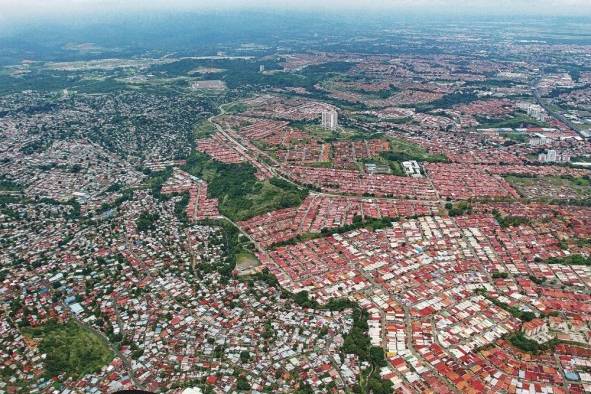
{"x": 315, "y": 206}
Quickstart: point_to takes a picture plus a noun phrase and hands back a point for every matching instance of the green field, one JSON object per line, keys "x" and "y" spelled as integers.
{"x": 203, "y": 129}
{"x": 71, "y": 349}
{"x": 517, "y": 121}
{"x": 317, "y": 132}
{"x": 240, "y": 195}
{"x": 265, "y": 198}
{"x": 235, "y": 108}
{"x": 551, "y": 187}
{"x": 517, "y": 137}
{"x": 246, "y": 260}
{"x": 401, "y": 150}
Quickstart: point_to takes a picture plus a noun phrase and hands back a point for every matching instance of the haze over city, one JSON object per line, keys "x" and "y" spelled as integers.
{"x": 15, "y": 12}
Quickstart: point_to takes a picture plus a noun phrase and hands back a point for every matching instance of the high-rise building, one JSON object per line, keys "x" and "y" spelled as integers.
{"x": 537, "y": 112}
{"x": 330, "y": 119}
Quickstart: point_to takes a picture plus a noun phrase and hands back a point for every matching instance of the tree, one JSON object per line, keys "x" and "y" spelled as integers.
{"x": 242, "y": 384}
{"x": 244, "y": 356}
{"x": 377, "y": 357}
{"x": 303, "y": 300}
{"x": 305, "y": 388}
{"x": 146, "y": 221}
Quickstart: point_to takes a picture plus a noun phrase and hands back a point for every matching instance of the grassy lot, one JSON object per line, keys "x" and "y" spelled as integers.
{"x": 516, "y": 121}
{"x": 240, "y": 195}
{"x": 315, "y": 131}
{"x": 71, "y": 349}
{"x": 551, "y": 187}
{"x": 517, "y": 137}
{"x": 265, "y": 198}
{"x": 245, "y": 261}
{"x": 235, "y": 108}
{"x": 203, "y": 129}
{"x": 401, "y": 150}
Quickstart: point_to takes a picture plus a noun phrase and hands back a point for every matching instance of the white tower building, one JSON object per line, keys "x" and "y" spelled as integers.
{"x": 330, "y": 119}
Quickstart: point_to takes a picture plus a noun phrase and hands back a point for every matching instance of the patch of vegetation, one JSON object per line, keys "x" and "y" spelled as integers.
{"x": 510, "y": 221}
{"x": 366, "y": 118}
{"x": 34, "y": 147}
{"x": 515, "y": 122}
{"x": 156, "y": 180}
{"x": 536, "y": 280}
{"x": 379, "y": 94}
{"x": 235, "y": 108}
{"x": 203, "y": 129}
{"x": 244, "y": 356}
{"x": 573, "y": 259}
{"x": 75, "y": 212}
{"x": 574, "y": 190}
{"x": 583, "y": 242}
{"x": 372, "y": 224}
{"x": 396, "y": 168}
{"x": 146, "y": 221}
{"x": 358, "y": 222}
{"x": 521, "y": 315}
{"x": 492, "y": 83}
{"x": 8, "y": 185}
{"x": 581, "y": 159}
{"x": 246, "y": 259}
{"x": 458, "y": 209}
{"x": 71, "y": 349}
{"x": 180, "y": 208}
{"x": 500, "y": 275}
{"x": 401, "y": 150}
{"x": 243, "y": 74}
{"x": 527, "y": 345}
{"x": 303, "y": 299}
{"x": 234, "y": 245}
{"x": 242, "y": 384}
{"x": 314, "y": 131}
{"x": 516, "y": 137}
{"x": 240, "y": 194}
{"x": 126, "y": 195}
{"x": 357, "y": 342}
{"x": 448, "y": 101}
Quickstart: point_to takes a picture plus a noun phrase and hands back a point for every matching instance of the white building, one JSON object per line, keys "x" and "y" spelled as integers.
{"x": 551, "y": 156}
{"x": 538, "y": 139}
{"x": 534, "y": 110}
{"x": 537, "y": 112}
{"x": 330, "y": 119}
{"x": 412, "y": 168}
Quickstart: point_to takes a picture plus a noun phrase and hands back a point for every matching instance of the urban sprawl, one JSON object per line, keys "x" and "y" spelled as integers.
{"x": 303, "y": 221}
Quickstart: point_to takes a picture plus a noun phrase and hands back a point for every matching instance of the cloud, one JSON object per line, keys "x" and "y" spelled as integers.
{"x": 16, "y": 10}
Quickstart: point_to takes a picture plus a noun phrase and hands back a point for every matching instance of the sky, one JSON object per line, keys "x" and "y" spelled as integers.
{"x": 13, "y": 12}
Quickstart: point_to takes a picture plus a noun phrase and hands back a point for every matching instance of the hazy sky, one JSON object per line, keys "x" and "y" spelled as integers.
{"x": 18, "y": 11}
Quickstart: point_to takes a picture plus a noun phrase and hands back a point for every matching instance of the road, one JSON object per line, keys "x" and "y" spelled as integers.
{"x": 550, "y": 111}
